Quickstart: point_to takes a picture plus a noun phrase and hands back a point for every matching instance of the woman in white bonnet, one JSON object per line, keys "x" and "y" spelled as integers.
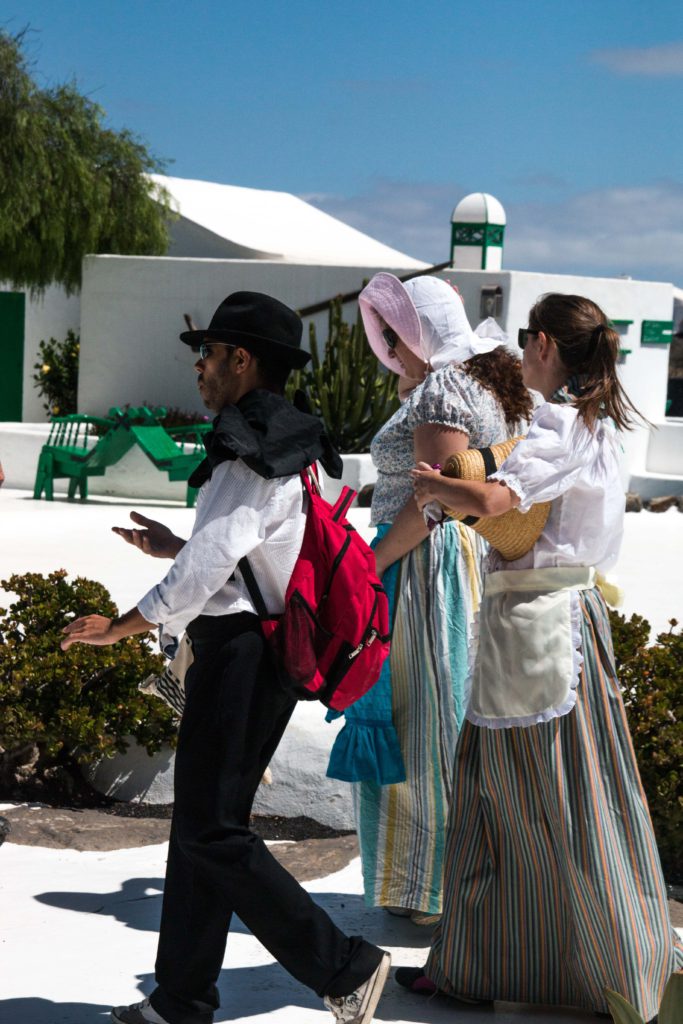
{"x": 398, "y": 742}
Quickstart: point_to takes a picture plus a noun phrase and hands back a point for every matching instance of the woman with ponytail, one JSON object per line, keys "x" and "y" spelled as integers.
{"x": 553, "y": 889}
{"x": 398, "y": 741}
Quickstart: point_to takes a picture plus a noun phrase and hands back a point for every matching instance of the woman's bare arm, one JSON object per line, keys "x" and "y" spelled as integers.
{"x": 433, "y": 443}
{"x": 467, "y": 497}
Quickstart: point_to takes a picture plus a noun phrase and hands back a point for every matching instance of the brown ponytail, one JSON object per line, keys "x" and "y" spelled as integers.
{"x": 589, "y": 349}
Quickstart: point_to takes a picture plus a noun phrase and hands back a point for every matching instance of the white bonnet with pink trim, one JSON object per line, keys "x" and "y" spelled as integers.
{"x": 426, "y": 313}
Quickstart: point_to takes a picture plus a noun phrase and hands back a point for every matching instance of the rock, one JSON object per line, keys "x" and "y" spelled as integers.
{"x": 4, "y": 829}
{"x": 662, "y": 504}
{"x": 299, "y": 785}
{"x": 634, "y": 503}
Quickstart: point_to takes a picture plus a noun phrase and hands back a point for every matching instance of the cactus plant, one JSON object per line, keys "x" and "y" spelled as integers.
{"x": 347, "y": 386}
{"x": 670, "y": 1012}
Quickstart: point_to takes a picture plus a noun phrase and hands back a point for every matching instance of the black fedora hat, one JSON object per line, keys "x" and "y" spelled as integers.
{"x": 261, "y": 324}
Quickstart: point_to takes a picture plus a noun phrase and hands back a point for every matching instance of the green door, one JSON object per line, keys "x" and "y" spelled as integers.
{"x": 12, "y": 306}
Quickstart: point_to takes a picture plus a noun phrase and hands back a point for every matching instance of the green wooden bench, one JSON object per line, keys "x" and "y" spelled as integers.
{"x": 70, "y": 454}
{"x": 166, "y": 448}
{"x": 67, "y": 453}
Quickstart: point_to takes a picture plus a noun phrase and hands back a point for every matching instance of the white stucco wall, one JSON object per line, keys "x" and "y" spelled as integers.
{"x": 643, "y": 373}
{"x": 132, "y": 313}
{"x": 47, "y": 316}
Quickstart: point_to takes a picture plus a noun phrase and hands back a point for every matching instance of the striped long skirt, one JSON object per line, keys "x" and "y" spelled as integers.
{"x": 401, "y": 827}
{"x": 552, "y": 883}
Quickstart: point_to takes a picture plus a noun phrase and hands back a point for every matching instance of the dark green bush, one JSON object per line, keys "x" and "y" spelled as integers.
{"x": 347, "y": 386}
{"x": 66, "y": 708}
{"x": 652, "y": 681}
{"x": 57, "y": 376}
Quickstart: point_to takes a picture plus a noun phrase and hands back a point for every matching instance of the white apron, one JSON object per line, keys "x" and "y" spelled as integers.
{"x": 528, "y": 660}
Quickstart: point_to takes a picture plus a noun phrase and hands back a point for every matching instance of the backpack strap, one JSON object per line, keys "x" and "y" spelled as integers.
{"x": 309, "y": 478}
{"x": 253, "y": 588}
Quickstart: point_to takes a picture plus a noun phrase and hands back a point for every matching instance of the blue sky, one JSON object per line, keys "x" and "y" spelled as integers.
{"x": 386, "y": 113}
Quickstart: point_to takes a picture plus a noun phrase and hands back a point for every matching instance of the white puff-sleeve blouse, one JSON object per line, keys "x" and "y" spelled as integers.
{"x": 563, "y": 462}
{"x": 449, "y": 397}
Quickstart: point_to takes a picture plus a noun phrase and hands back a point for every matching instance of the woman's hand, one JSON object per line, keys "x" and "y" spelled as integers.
{"x": 155, "y": 539}
{"x": 425, "y": 480}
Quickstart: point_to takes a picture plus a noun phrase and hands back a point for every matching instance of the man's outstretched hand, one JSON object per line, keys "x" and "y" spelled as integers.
{"x": 153, "y": 539}
{"x": 91, "y": 629}
{"x": 99, "y": 631}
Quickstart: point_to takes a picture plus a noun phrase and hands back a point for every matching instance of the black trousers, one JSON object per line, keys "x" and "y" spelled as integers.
{"x": 235, "y": 715}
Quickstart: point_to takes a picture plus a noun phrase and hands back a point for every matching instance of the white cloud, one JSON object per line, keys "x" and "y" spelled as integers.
{"x": 636, "y": 231}
{"x": 415, "y": 216}
{"x": 629, "y": 230}
{"x": 663, "y": 61}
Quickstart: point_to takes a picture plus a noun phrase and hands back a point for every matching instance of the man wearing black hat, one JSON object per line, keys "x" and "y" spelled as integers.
{"x": 250, "y": 503}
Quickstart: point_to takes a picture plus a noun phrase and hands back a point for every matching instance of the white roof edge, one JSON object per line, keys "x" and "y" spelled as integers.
{"x": 279, "y": 223}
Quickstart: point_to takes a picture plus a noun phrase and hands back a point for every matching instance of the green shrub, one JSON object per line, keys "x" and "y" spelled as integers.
{"x": 57, "y": 376}
{"x": 347, "y": 387}
{"x": 652, "y": 681}
{"x": 175, "y": 417}
{"x": 66, "y": 708}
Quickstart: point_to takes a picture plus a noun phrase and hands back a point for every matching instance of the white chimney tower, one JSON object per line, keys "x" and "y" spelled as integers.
{"x": 477, "y": 233}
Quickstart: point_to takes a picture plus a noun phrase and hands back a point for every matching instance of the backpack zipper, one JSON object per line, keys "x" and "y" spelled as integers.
{"x": 364, "y": 643}
{"x": 335, "y": 565}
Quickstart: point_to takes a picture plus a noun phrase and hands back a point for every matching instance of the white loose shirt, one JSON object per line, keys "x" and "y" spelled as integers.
{"x": 238, "y": 513}
{"x": 561, "y": 461}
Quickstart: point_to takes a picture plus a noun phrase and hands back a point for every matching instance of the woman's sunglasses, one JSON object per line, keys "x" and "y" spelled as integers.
{"x": 523, "y": 336}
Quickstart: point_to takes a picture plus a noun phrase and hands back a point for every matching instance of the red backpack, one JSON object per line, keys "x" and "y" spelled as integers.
{"x": 333, "y": 635}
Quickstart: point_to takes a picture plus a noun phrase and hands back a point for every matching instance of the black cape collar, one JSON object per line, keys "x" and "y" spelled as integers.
{"x": 269, "y": 434}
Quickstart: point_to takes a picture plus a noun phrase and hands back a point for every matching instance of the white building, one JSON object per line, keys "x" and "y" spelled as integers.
{"x": 228, "y": 238}
{"x": 214, "y": 222}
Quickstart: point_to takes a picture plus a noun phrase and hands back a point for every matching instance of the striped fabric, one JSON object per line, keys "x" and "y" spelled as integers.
{"x": 552, "y": 883}
{"x": 401, "y": 827}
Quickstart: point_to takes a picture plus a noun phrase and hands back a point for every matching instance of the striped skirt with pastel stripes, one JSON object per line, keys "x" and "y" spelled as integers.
{"x": 552, "y": 883}
{"x": 401, "y": 827}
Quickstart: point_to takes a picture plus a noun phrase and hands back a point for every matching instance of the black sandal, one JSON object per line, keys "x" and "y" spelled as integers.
{"x": 416, "y": 981}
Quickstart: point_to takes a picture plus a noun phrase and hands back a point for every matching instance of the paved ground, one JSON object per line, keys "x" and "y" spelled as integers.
{"x": 78, "y": 933}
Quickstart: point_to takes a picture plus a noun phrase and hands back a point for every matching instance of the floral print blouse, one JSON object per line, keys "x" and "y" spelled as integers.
{"x": 449, "y": 397}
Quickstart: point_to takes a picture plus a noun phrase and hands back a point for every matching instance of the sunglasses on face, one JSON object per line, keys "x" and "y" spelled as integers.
{"x": 523, "y": 335}
{"x": 391, "y": 337}
{"x": 206, "y": 346}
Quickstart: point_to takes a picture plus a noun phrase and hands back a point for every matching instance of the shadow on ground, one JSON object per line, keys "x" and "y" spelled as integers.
{"x": 137, "y": 904}
{"x": 44, "y": 1011}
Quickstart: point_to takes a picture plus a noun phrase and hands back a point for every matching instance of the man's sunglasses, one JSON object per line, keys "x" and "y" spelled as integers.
{"x": 523, "y": 336}
{"x": 391, "y": 337}
{"x": 206, "y": 346}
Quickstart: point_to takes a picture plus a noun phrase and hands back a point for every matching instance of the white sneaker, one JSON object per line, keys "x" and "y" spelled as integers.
{"x": 137, "y": 1013}
{"x": 359, "y": 1006}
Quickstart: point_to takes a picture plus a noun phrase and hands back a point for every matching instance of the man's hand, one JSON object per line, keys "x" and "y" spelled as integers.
{"x": 155, "y": 539}
{"x": 97, "y": 630}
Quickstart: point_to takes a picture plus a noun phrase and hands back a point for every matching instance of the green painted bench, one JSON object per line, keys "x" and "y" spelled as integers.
{"x": 69, "y": 453}
{"x": 167, "y": 449}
